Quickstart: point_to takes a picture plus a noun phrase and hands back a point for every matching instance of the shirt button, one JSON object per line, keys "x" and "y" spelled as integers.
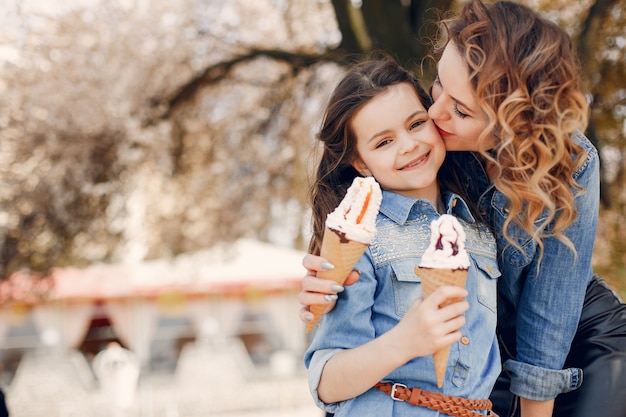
{"x": 417, "y": 270}
{"x": 465, "y": 340}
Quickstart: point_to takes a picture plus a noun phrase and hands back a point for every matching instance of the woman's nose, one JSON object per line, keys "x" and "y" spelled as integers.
{"x": 436, "y": 111}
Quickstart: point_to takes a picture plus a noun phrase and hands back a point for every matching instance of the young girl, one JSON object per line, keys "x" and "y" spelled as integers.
{"x": 376, "y": 124}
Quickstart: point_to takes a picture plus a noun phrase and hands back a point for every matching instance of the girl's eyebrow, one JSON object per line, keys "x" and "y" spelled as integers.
{"x": 384, "y": 131}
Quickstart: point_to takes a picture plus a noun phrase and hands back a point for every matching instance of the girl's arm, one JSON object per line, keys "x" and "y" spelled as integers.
{"x": 424, "y": 329}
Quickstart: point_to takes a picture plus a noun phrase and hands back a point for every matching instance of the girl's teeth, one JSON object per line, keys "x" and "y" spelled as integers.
{"x": 417, "y": 162}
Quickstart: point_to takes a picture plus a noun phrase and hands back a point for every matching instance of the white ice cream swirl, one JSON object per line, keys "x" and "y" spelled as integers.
{"x": 355, "y": 217}
{"x": 447, "y": 245}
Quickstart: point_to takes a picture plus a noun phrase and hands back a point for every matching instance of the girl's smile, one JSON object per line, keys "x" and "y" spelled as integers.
{"x": 416, "y": 162}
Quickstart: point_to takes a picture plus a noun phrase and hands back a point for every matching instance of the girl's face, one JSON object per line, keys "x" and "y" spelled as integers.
{"x": 455, "y": 111}
{"x": 398, "y": 144}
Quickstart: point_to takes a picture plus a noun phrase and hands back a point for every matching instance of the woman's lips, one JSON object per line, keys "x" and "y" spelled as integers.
{"x": 443, "y": 133}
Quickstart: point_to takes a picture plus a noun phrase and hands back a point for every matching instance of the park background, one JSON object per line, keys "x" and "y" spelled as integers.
{"x": 136, "y": 131}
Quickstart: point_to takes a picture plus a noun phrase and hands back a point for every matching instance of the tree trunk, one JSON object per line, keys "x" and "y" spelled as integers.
{"x": 404, "y": 29}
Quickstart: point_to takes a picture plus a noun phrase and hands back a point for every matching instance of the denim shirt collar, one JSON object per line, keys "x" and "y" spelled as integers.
{"x": 398, "y": 207}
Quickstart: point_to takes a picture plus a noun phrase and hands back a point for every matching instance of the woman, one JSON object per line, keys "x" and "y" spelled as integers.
{"x": 508, "y": 91}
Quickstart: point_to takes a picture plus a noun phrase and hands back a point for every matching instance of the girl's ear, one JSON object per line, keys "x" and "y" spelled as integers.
{"x": 361, "y": 168}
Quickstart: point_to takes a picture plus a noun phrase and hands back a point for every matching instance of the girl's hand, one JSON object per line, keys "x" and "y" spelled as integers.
{"x": 318, "y": 290}
{"x": 426, "y": 328}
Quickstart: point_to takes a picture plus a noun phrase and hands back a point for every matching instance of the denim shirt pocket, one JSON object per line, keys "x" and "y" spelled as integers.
{"x": 487, "y": 281}
{"x": 407, "y": 285}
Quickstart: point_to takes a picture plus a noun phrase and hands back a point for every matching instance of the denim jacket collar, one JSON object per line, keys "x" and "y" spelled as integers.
{"x": 398, "y": 207}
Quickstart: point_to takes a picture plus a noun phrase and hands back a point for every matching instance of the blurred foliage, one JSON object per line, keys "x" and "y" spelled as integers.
{"x": 68, "y": 203}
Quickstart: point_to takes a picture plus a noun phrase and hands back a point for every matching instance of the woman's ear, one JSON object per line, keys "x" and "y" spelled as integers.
{"x": 361, "y": 168}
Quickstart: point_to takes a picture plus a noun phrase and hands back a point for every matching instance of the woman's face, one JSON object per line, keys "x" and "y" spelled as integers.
{"x": 398, "y": 144}
{"x": 455, "y": 111}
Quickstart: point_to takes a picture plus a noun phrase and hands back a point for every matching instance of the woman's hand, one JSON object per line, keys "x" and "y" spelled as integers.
{"x": 318, "y": 290}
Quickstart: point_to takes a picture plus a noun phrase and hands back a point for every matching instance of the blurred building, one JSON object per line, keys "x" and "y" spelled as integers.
{"x": 188, "y": 318}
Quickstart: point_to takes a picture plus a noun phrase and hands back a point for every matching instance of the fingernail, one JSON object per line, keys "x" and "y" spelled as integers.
{"x": 327, "y": 266}
{"x": 337, "y": 288}
{"x": 308, "y": 317}
{"x": 330, "y": 297}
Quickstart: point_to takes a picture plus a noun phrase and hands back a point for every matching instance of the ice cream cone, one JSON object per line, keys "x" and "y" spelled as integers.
{"x": 433, "y": 278}
{"x": 342, "y": 253}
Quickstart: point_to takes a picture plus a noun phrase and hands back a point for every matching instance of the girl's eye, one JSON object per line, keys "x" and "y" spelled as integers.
{"x": 382, "y": 143}
{"x": 460, "y": 113}
{"x": 417, "y": 124}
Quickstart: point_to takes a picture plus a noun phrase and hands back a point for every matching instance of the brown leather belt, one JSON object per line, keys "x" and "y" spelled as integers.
{"x": 446, "y": 404}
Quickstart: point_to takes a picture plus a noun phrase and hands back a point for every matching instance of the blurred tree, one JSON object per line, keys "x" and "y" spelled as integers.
{"x": 406, "y": 28}
{"x": 601, "y": 48}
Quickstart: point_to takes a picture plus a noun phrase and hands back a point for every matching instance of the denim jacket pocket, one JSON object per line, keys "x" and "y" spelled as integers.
{"x": 487, "y": 280}
{"x": 407, "y": 285}
{"x": 515, "y": 256}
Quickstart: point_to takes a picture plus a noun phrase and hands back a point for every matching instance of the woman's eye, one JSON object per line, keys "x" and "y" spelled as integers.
{"x": 460, "y": 113}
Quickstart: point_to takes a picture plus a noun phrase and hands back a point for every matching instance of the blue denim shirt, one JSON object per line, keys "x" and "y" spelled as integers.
{"x": 543, "y": 300}
{"x": 387, "y": 287}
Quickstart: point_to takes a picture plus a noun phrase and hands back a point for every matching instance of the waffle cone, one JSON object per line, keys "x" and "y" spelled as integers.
{"x": 342, "y": 253}
{"x": 433, "y": 278}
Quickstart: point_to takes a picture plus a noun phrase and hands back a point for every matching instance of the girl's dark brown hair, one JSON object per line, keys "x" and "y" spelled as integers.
{"x": 335, "y": 173}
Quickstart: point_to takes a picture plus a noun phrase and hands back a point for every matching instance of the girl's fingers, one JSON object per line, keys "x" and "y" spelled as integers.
{"x": 453, "y": 325}
{"x": 443, "y": 294}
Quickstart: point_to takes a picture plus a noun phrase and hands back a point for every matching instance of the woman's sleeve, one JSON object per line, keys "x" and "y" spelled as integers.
{"x": 552, "y": 298}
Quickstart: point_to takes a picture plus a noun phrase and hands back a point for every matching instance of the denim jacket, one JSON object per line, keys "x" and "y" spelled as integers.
{"x": 388, "y": 285}
{"x": 543, "y": 300}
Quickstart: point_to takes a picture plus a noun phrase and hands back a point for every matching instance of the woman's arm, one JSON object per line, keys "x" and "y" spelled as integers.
{"x": 551, "y": 300}
{"x": 424, "y": 329}
{"x": 530, "y": 408}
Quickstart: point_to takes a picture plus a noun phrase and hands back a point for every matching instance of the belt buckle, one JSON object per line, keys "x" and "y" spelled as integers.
{"x": 394, "y": 387}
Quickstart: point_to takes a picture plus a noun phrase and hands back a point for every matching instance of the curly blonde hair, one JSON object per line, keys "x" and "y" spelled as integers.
{"x": 525, "y": 73}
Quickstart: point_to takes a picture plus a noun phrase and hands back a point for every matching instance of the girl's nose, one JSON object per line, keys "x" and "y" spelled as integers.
{"x": 408, "y": 143}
